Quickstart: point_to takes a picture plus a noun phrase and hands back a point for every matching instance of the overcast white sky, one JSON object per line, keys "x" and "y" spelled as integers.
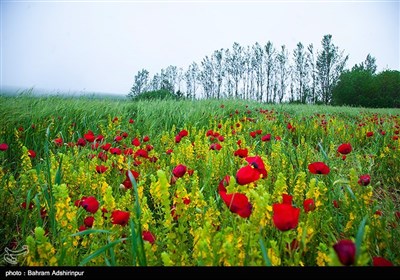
{"x": 99, "y": 46}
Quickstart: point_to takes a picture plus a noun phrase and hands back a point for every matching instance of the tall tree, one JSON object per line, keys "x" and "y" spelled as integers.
{"x": 235, "y": 66}
{"x": 192, "y": 78}
{"x": 270, "y": 58}
{"x": 219, "y": 69}
{"x": 207, "y": 77}
{"x": 140, "y": 84}
{"x": 369, "y": 65}
{"x": 155, "y": 83}
{"x": 313, "y": 73}
{"x": 248, "y": 72}
{"x": 330, "y": 64}
{"x": 284, "y": 71}
{"x": 258, "y": 66}
{"x": 300, "y": 72}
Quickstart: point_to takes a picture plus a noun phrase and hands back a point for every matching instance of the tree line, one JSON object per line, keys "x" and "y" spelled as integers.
{"x": 264, "y": 73}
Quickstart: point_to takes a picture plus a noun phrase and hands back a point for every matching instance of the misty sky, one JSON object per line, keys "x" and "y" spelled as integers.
{"x": 99, "y": 46}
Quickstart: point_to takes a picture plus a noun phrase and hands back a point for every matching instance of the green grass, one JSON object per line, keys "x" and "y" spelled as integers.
{"x": 31, "y": 122}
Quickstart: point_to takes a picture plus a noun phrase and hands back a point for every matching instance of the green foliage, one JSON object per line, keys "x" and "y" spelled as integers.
{"x": 161, "y": 94}
{"x": 360, "y": 87}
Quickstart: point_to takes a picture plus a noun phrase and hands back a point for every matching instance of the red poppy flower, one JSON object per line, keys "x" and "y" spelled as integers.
{"x": 141, "y": 153}
{"x": 102, "y": 156}
{"x": 215, "y": 146}
{"x": 308, "y": 205}
{"x": 169, "y": 151}
{"x": 344, "y": 148}
{"x": 178, "y": 139}
{"x": 364, "y": 180}
{"x": 106, "y": 146}
{"x": 31, "y": 153}
{"x": 94, "y": 146}
{"x": 131, "y": 121}
{"x": 319, "y": 168}
{"x": 128, "y": 151}
{"x": 336, "y": 204}
{"x": 223, "y": 183}
{"x": 287, "y": 199}
{"x": 285, "y": 216}
{"x": 146, "y": 138}
{"x": 127, "y": 182}
{"x": 115, "y": 151}
{"x": 101, "y": 169}
{"x": 183, "y": 133}
{"x": 370, "y": 134}
{"x": 81, "y": 142}
{"x": 99, "y": 138}
{"x": 179, "y": 170}
{"x": 89, "y": 136}
{"x": 30, "y": 207}
{"x": 380, "y": 261}
{"x": 253, "y": 134}
{"x": 119, "y": 217}
{"x": 3, "y": 147}
{"x": 136, "y": 142}
{"x": 149, "y": 147}
{"x": 78, "y": 202}
{"x": 237, "y": 203}
{"x": 58, "y": 141}
{"x": 148, "y": 236}
{"x": 90, "y": 204}
{"x": 88, "y": 221}
{"x": 258, "y": 164}
{"x": 346, "y": 251}
{"x": 82, "y": 228}
{"x": 118, "y": 138}
{"x": 266, "y": 137}
{"x": 153, "y": 159}
{"x": 242, "y": 153}
{"x": 247, "y": 175}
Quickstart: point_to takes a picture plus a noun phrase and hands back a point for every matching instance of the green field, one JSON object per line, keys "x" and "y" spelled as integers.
{"x": 288, "y": 212}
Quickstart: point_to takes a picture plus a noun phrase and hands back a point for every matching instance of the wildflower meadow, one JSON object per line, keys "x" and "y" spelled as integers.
{"x": 112, "y": 182}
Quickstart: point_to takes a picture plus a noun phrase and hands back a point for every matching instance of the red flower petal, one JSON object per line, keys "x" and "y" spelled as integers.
{"x": 285, "y": 216}
{"x": 318, "y": 168}
{"x": 119, "y": 217}
{"x": 346, "y": 251}
{"x": 247, "y": 175}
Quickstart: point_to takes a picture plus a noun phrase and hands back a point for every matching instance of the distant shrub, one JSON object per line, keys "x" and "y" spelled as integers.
{"x": 161, "y": 94}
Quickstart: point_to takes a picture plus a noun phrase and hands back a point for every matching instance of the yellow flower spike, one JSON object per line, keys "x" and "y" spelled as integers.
{"x": 273, "y": 254}
{"x": 323, "y": 258}
{"x": 300, "y": 186}
{"x": 262, "y": 206}
{"x": 41, "y": 252}
{"x": 280, "y": 187}
{"x": 350, "y": 222}
{"x": 26, "y": 163}
{"x": 320, "y": 194}
{"x": 311, "y": 188}
{"x": 108, "y": 199}
{"x": 202, "y": 248}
